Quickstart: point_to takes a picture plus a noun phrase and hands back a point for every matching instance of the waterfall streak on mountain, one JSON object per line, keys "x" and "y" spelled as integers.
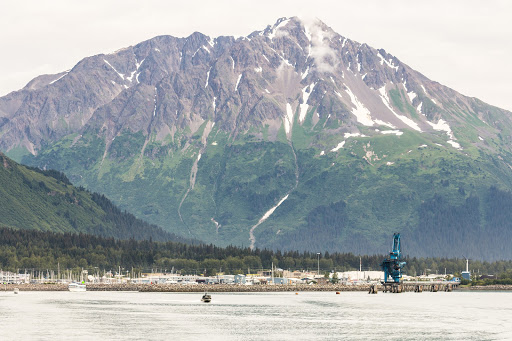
{"x": 193, "y": 171}
{"x": 267, "y": 214}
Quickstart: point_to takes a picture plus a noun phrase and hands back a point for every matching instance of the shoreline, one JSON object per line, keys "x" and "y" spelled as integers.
{"x": 221, "y": 287}
{"x": 187, "y": 288}
{"x": 494, "y": 287}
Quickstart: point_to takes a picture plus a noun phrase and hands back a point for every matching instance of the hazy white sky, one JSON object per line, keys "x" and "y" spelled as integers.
{"x": 464, "y": 44}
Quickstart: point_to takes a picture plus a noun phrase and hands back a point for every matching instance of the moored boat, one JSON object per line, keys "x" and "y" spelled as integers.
{"x": 77, "y": 287}
{"x": 16, "y": 290}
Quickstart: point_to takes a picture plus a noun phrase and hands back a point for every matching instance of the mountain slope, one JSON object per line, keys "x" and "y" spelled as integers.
{"x": 291, "y": 137}
{"x": 46, "y": 201}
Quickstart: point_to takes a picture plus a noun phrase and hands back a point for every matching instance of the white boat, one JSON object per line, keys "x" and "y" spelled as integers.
{"x": 16, "y": 290}
{"x": 77, "y": 287}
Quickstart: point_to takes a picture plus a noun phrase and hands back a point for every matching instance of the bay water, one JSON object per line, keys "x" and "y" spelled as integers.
{"x": 459, "y": 315}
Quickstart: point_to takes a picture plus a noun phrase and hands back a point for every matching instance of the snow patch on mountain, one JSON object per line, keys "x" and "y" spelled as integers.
{"x": 304, "y": 105}
{"x": 305, "y": 74}
{"x": 113, "y": 68}
{"x": 387, "y": 103}
{"x": 442, "y": 125}
{"x": 208, "y": 78}
{"x": 386, "y": 124}
{"x": 288, "y": 120}
{"x": 130, "y": 78}
{"x": 389, "y": 64}
{"x": 454, "y": 144}
{"x": 338, "y": 147}
{"x": 283, "y": 63}
{"x": 154, "y": 110}
{"x": 58, "y": 78}
{"x": 395, "y": 132}
{"x": 411, "y": 95}
{"x": 361, "y": 113}
{"x": 238, "y": 81}
{"x": 424, "y": 90}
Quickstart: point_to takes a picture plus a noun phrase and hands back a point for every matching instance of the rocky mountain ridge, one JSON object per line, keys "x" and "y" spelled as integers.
{"x": 265, "y": 78}
{"x": 233, "y": 135}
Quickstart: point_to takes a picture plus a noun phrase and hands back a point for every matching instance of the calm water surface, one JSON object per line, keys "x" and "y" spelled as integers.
{"x": 256, "y": 316}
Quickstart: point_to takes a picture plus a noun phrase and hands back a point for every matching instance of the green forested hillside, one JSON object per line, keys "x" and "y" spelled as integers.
{"x": 447, "y": 202}
{"x": 34, "y": 199}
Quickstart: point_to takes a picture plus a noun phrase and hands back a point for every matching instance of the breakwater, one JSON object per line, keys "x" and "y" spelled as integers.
{"x": 216, "y": 287}
{"x": 252, "y": 288}
{"x": 488, "y": 287}
{"x": 187, "y": 288}
{"x": 34, "y": 287}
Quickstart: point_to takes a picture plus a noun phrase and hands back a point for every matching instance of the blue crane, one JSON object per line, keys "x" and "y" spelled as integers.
{"x": 392, "y": 266}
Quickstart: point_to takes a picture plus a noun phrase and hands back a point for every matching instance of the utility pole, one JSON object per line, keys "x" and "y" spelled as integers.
{"x": 318, "y": 264}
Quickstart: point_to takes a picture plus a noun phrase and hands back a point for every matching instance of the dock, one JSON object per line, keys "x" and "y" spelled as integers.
{"x": 415, "y": 286}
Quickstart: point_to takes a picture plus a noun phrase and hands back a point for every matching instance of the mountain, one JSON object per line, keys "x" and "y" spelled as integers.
{"x": 33, "y": 199}
{"x": 293, "y": 137}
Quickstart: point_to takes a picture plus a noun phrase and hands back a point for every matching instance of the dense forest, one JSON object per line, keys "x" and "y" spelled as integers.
{"x": 480, "y": 226}
{"x": 28, "y": 249}
{"x": 45, "y": 200}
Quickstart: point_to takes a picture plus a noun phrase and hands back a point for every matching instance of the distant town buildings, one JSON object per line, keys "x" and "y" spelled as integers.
{"x": 264, "y": 277}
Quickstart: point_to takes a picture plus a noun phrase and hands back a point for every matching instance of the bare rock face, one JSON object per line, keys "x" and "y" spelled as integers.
{"x": 295, "y": 102}
{"x": 238, "y": 83}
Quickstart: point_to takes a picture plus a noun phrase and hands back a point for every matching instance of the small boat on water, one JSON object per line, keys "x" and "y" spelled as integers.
{"x": 16, "y": 291}
{"x": 77, "y": 287}
{"x": 207, "y": 298}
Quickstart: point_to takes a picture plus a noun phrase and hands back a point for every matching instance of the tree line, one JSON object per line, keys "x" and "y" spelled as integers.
{"x": 29, "y": 249}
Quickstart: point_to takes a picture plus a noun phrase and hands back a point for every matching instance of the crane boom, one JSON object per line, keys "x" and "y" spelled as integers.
{"x": 392, "y": 266}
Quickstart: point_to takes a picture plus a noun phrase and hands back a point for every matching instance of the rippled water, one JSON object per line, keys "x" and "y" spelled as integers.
{"x": 256, "y": 316}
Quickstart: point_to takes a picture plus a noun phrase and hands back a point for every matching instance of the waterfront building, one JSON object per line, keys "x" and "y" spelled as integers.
{"x": 8, "y": 277}
{"x": 240, "y": 279}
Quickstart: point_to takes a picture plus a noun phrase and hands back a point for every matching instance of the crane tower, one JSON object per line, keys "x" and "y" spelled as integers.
{"x": 392, "y": 266}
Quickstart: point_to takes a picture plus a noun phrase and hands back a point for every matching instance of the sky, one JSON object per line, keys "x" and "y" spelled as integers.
{"x": 463, "y": 44}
